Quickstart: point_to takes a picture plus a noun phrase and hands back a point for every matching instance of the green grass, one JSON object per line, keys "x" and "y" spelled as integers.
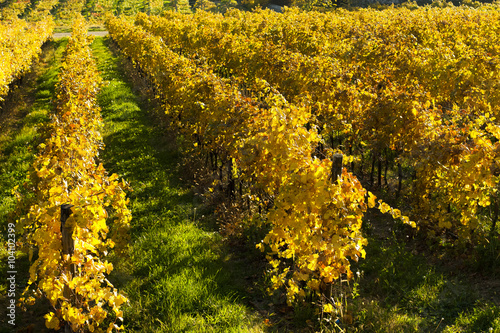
{"x": 179, "y": 276}
{"x": 405, "y": 289}
{"x": 484, "y": 317}
{"x": 23, "y": 121}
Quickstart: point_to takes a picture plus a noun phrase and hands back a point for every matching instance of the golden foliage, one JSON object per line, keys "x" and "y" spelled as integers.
{"x": 66, "y": 172}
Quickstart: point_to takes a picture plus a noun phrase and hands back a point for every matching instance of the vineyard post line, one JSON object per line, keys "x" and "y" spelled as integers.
{"x": 68, "y": 246}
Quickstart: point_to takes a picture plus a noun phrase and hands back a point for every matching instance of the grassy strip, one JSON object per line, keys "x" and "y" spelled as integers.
{"x": 22, "y": 123}
{"x": 405, "y": 288}
{"x": 179, "y": 275}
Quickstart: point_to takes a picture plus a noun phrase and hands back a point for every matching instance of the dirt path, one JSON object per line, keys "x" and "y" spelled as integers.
{"x": 92, "y": 33}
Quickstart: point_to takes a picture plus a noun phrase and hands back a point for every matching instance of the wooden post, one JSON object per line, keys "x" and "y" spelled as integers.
{"x": 337, "y": 167}
{"x": 373, "y": 168}
{"x": 400, "y": 179}
{"x": 386, "y": 166}
{"x": 362, "y": 161}
{"x": 221, "y": 176}
{"x": 68, "y": 246}
{"x": 379, "y": 178}
{"x": 494, "y": 218}
{"x": 336, "y": 175}
{"x": 231, "y": 186}
{"x": 352, "y": 163}
{"x": 67, "y": 231}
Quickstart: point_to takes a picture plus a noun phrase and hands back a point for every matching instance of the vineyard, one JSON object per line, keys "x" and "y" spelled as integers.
{"x": 251, "y": 171}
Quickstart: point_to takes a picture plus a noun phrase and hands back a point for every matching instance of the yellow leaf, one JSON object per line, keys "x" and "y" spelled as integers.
{"x": 383, "y": 207}
{"x": 371, "y": 200}
{"x": 328, "y": 308}
{"x": 51, "y": 321}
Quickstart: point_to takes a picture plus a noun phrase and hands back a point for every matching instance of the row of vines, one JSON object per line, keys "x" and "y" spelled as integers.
{"x": 20, "y": 45}
{"x": 77, "y": 213}
{"x": 30, "y": 10}
{"x": 262, "y": 147}
{"x": 416, "y": 89}
{"x": 269, "y": 100}
{"x": 65, "y": 11}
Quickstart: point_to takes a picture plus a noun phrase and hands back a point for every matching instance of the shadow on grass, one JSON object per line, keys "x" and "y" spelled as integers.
{"x": 179, "y": 276}
{"x": 401, "y": 290}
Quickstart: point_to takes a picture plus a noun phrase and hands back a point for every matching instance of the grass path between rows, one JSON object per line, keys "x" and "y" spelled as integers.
{"x": 179, "y": 276}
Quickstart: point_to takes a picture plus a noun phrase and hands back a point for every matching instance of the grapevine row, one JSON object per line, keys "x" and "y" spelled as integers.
{"x": 67, "y": 175}
{"x": 264, "y": 142}
{"x": 41, "y": 9}
{"x": 14, "y": 9}
{"x": 67, "y": 11}
{"x": 418, "y": 86}
{"x": 20, "y": 45}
